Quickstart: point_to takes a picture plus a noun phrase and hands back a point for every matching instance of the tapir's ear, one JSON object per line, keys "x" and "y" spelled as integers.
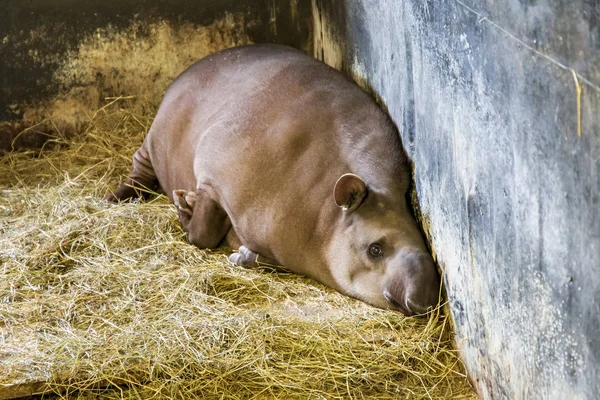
{"x": 184, "y": 200}
{"x": 349, "y": 192}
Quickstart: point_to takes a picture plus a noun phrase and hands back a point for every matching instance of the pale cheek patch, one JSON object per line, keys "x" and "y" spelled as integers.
{"x": 391, "y": 215}
{"x": 340, "y": 259}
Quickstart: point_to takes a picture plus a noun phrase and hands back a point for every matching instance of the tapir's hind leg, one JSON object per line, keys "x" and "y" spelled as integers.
{"x": 202, "y": 218}
{"x": 141, "y": 181}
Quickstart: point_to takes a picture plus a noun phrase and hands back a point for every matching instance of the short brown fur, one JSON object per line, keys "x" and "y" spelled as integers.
{"x": 258, "y": 136}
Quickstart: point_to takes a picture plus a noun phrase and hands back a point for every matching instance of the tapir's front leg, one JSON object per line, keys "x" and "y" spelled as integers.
{"x": 247, "y": 258}
{"x": 207, "y": 224}
{"x": 244, "y": 258}
{"x": 202, "y": 218}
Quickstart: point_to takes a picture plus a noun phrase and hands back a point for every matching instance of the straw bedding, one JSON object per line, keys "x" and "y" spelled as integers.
{"x": 109, "y": 301}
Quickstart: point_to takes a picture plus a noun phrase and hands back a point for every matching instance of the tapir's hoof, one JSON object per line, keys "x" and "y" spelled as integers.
{"x": 184, "y": 201}
{"x": 244, "y": 258}
{"x": 111, "y": 198}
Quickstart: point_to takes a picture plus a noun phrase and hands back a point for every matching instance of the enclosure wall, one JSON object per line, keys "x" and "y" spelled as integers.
{"x": 60, "y": 59}
{"x": 507, "y": 161}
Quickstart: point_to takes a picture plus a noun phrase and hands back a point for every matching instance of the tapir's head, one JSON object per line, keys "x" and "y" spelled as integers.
{"x": 377, "y": 253}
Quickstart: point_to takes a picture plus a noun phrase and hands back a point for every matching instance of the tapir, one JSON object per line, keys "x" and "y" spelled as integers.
{"x": 267, "y": 149}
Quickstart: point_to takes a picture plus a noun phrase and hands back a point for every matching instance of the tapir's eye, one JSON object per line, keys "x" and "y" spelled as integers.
{"x": 375, "y": 250}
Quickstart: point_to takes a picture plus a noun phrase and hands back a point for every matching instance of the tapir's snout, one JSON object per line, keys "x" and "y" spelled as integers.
{"x": 414, "y": 287}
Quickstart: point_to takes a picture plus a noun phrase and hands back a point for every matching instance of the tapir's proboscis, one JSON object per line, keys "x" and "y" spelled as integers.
{"x": 264, "y": 148}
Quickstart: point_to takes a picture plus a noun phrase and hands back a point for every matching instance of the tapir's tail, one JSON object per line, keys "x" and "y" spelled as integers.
{"x": 141, "y": 183}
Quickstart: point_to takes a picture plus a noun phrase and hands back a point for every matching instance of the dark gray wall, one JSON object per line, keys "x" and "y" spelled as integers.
{"x": 24, "y": 79}
{"x": 51, "y": 53}
{"x": 510, "y": 194}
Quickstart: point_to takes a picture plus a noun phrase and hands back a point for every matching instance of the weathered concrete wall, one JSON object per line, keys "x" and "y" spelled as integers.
{"x": 59, "y": 59}
{"x": 486, "y": 101}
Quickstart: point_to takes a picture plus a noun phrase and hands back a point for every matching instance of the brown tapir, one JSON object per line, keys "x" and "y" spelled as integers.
{"x": 265, "y": 147}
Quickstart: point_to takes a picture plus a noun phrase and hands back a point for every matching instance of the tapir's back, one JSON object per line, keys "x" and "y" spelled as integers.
{"x": 267, "y": 130}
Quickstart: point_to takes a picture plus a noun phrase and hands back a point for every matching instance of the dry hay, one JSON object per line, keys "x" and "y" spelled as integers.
{"x": 109, "y": 301}
{"x": 141, "y": 58}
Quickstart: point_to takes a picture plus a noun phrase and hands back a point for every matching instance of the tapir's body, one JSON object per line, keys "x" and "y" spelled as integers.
{"x": 250, "y": 144}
